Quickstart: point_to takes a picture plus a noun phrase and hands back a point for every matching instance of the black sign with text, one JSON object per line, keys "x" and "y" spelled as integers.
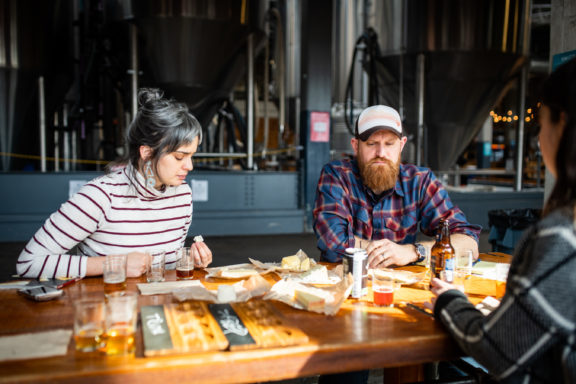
{"x": 231, "y": 325}
{"x": 155, "y": 328}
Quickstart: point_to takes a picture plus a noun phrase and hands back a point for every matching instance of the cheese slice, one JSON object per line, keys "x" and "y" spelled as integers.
{"x": 295, "y": 263}
{"x": 291, "y": 262}
{"x": 309, "y": 300}
{"x": 238, "y": 273}
{"x": 305, "y": 264}
{"x": 316, "y": 274}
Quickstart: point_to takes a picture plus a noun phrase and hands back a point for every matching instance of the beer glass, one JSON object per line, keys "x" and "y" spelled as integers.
{"x": 155, "y": 266}
{"x": 89, "y": 324}
{"x": 185, "y": 264}
{"x": 114, "y": 273}
{"x": 383, "y": 287}
{"x": 121, "y": 317}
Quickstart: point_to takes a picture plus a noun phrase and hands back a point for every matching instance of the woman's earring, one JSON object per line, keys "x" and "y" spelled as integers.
{"x": 150, "y": 179}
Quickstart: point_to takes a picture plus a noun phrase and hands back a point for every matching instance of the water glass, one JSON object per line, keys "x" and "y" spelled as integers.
{"x": 155, "y": 266}
{"x": 447, "y": 276}
{"x": 465, "y": 261}
{"x": 501, "y": 271}
{"x": 89, "y": 325}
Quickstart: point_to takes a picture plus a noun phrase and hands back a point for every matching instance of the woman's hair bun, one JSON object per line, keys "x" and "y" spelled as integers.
{"x": 149, "y": 95}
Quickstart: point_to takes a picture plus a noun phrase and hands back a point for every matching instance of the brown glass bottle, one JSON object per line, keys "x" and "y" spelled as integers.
{"x": 442, "y": 252}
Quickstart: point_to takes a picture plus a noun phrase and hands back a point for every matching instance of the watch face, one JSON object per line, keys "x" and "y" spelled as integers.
{"x": 420, "y": 249}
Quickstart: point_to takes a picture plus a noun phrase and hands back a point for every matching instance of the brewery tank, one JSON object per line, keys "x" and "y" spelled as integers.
{"x": 466, "y": 53}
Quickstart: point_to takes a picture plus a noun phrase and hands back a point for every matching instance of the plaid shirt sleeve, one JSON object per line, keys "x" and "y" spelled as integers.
{"x": 332, "y": 214}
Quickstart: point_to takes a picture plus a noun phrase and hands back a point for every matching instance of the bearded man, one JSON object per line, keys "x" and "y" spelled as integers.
{"x": 376, "y": 203}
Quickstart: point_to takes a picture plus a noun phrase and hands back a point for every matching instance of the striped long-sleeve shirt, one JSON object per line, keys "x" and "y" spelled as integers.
{"x": 112, "y": 214}
{"x": 345, "y": 208}
{"x": 531, "y": 336}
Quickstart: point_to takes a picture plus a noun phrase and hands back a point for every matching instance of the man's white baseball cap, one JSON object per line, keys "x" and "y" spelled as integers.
{"x": 375, "y": 118}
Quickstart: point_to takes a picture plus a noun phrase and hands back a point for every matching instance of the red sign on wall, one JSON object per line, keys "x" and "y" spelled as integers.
{"x": 320, "y": 126}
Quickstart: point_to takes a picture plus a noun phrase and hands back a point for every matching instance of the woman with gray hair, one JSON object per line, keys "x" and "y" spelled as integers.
{"x": 143, "y": 203}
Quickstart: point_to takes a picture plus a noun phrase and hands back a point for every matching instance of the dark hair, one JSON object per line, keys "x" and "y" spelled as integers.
{"x": 559, "y": 95}
{"x": 162, "y": 124}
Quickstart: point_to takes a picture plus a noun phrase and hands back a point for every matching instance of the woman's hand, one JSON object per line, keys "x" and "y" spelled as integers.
{"x": 136, "y": 264}
{"x": 202, "y": 254}
{"x": 437, "y": 287}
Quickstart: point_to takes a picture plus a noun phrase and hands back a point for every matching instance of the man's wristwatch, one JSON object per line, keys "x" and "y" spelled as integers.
{"x": 421, "y": 252}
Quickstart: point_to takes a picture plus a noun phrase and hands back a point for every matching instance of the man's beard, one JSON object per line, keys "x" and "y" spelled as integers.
{"x": 380, "y": 177}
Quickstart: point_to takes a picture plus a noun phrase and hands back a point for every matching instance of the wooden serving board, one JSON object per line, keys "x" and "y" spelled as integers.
{"x": 190, "y": 327}
{"x": 267, "y": 326}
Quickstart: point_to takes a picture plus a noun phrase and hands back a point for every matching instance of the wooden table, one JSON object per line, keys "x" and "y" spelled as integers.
{"x": 360, "y": 336}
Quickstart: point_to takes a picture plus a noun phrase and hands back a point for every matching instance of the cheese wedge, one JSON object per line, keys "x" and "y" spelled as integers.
{"x": 291, "y": 262}
{"x": 309, "y": 300}
{"x": 294, "y": 263}
{"x": 305, "y": 265}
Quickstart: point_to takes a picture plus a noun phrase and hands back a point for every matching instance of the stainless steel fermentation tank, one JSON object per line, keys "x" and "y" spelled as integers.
{"x": 87, "y": 52}
{"x": 445, "y": 64}
{"x": 194, "y": 49}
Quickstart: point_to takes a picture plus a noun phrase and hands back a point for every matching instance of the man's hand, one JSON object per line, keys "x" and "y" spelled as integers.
{"x": 385, "y": 253}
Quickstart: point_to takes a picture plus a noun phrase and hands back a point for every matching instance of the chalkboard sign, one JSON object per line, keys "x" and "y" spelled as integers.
{"x": 231, "y": 325}
{"x": 155, "y": 329}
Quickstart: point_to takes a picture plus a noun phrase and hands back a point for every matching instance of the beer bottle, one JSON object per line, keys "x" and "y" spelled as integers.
{"x": 442, "y": 252}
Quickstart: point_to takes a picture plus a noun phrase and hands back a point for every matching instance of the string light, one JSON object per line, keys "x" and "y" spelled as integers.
{"x": 510, "y": 116}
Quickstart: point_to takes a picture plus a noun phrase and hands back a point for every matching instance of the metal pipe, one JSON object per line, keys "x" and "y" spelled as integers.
{"x": 73, "y": 139}
{"x": 420, "y": 97}
{"x": 42, "y": 118}
{"x": 520, "y": 133}
{"x": 66, "y": 138}
{"x": 524, "y": 49}
{"x": 281, "y": 82}
{"x": 14, "y": 54}
{"x": 220, "y": 154}
{"x": 134, "y": 70}
{"x": 56, "y": 143}
{"x": 266, "y": 91}
{"x": 250, "y": 100}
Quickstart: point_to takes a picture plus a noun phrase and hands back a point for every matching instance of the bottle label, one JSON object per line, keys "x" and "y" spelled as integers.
{"x": 449, "y": 264}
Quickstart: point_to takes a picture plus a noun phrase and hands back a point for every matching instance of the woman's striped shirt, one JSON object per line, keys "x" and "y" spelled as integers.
{"x": 112, "y": 214}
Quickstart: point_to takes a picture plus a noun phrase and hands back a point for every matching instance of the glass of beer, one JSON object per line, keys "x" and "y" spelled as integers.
{"x": 114, "y": 273}
{"x": 383, "y": 287}
{"x": 89, "y": 324}
{"x": 155, "y": 266}
{"x": 185, "y": 264}
{"x": 121, "y": 317}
